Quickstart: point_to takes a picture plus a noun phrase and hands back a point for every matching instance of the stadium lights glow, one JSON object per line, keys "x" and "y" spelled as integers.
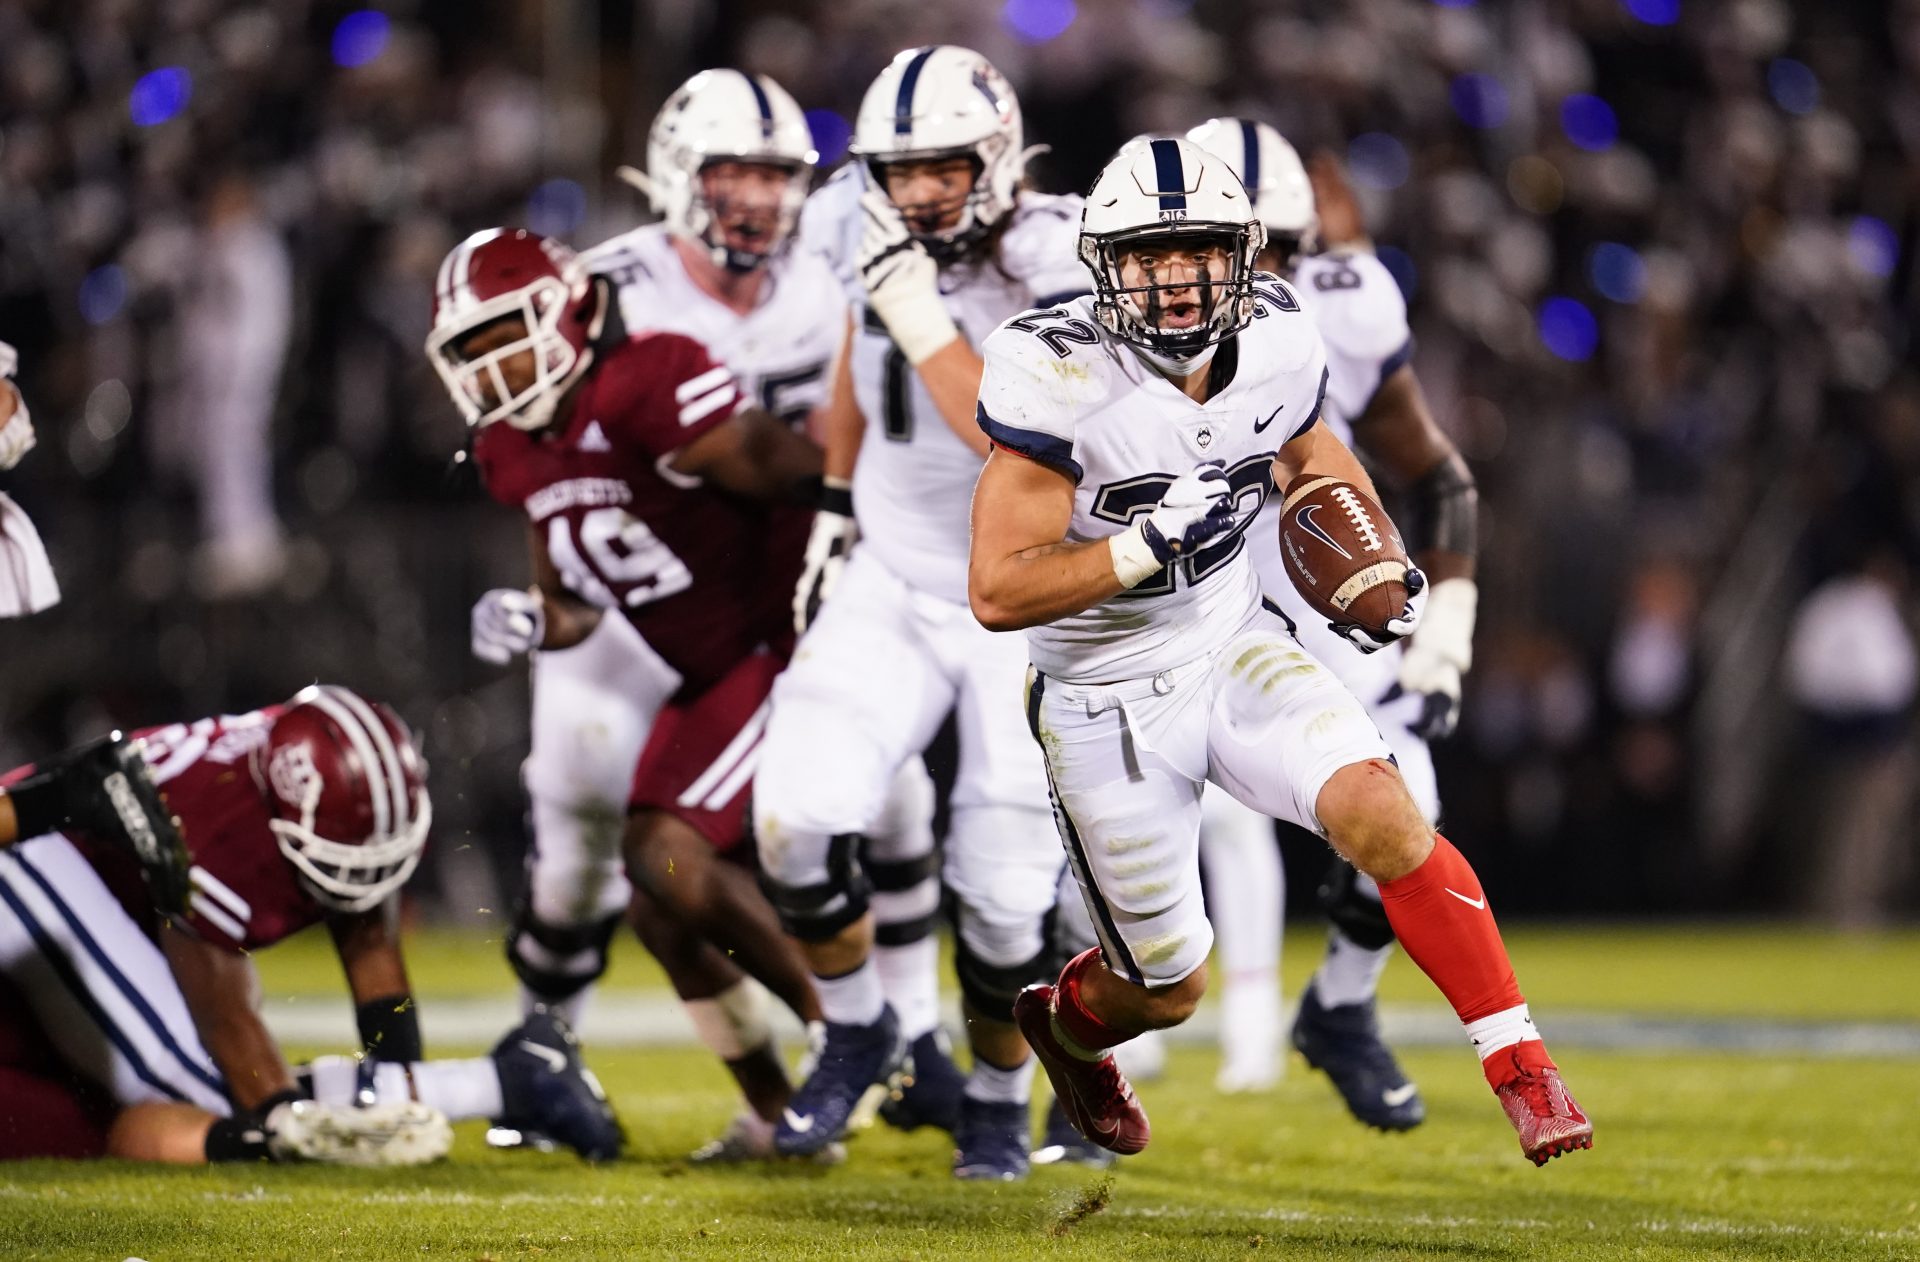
{"x": 1654, "y": 12}
{"x": 359, "y": 38}
{"x": 1568, "y": 330}
{"x": 1037, "y": 21}
{"x": 1873, "y": 245}
{"x": 1479, "y": 99}
{"x": 1617, "y": 272}
{"x": 1589, "y": 122}
{"x": 159, "y": 95}
{"x": 556, "y": 208}
{"x": 1793, "y": 86}
{"x": 1377, "y": 160}
{"x": 831, "y": 134}
{"x": 103, "y": 294}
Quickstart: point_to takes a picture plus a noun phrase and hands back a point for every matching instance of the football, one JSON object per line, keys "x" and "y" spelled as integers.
{"x": 1343, "y": 552}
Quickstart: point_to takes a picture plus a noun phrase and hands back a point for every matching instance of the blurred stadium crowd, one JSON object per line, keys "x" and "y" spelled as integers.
{"x": 1660, "y": 262}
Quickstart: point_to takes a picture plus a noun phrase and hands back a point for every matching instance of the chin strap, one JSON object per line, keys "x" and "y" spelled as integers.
{"x": 1177, "y": 366}
{"x": 640, "y": 180}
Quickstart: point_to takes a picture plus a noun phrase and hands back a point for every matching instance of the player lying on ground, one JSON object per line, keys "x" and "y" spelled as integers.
{"x": 650, "y": 489}
{"x": 26, "y": 580}
{"x": 130, "y": 1034}
{"x": 1135, "y": 435}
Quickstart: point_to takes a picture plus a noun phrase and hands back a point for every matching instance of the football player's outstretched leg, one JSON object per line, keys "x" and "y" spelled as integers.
{"x": 1157, "y": 666}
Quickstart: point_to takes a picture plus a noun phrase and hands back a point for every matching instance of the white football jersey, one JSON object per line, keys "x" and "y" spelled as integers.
{"x": 1363, "y": 320}
{"x": 1061, "y": 390}
{"x": 913, "y": 487}
{"x": 781, "y": 351}
{"x": 1362, "y": 317}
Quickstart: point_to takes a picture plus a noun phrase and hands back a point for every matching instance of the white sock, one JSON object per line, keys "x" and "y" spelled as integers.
{"x": 852, "y": 998}
{"x": 1250, "y": 1020}
{"x": 459, "y": 1088}
{"x": 570, "y": 1009}
{"x": 1351, "y": 973}
{"x": 991, "y": 1084}
{"x": 910, "y": 980}
{"x": 1501, "y": 1030}
{"x": 733, "y": 1022}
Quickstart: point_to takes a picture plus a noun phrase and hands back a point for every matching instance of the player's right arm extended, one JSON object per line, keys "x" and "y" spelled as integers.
{"x": 1022, "y": 572}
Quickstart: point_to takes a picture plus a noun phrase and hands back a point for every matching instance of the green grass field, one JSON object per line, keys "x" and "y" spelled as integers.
{"x": 1698, "y": 1155}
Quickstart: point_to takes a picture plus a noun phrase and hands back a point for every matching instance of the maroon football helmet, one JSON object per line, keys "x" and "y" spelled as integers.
{"x": 349, "y": 792}
{"x": 500, "y": 274}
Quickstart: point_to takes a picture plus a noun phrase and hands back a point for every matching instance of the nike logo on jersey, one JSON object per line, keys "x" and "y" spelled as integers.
{"x": 1478, "y": 904}
{"x": 1260, "y": 425}
{"x": 1314, "y": 528}
{"x": 595, "y": 438}
{"x": 555, "y": 1060}
{"x": 797, "y": 1123}
{"x": 1394, "y": 1097}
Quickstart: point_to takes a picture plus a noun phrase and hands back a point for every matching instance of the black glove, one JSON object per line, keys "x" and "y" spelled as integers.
{"x": 104, "y": 790}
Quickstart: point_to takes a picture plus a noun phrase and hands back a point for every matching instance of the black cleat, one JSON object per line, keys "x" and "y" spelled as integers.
{"x": 1344, "y": 1043}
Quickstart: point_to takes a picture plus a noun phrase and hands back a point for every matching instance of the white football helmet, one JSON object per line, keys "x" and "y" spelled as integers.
{"x": 1169, "y": 190}
{"x": 943, "y": 101}
{"x": 725, "y": 116}
{"x": 1274, "y": 177}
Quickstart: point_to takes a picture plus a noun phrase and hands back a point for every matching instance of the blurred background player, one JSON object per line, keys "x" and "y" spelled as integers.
{"x": 27, "y": 584}
{"x": 1374, "y": 404}
{"x": 652, "y": 492}
{"x": 729, "y": 161}
{"x": 137, "y": 1036}
{"x": 935, "y": 244}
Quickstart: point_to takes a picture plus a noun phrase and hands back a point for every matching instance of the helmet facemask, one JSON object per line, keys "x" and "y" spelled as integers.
{"x": 712, "y": 217}
{"x": 343, "y": 876}
{"x": 974, "y": 211}
{"x": 1174, "y": 289}
{"x": 479, "y": 382}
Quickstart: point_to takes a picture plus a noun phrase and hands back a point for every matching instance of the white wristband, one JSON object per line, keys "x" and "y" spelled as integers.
{"x": 1132, "y": 557}
{"x": 1446, "y": 628}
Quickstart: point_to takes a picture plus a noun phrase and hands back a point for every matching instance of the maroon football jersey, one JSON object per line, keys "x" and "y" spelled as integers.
{"x": 688, "y": 564}
{"x": 245, "y": 893}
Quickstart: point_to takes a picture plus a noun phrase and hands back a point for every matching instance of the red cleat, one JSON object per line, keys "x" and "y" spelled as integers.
{"x": 1094, "y": 1094}
{"x": 1538, "y": 1103}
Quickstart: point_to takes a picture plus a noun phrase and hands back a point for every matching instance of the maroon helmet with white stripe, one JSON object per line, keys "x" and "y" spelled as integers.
{"x": 349, "y": 795}
{"x": 502, "y": 277}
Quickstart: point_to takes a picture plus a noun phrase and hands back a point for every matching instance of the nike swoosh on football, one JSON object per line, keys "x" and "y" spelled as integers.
{"x": 1478, "y": 904}
{"x": 1397, "y": 1096}
{"x": 1260, "y": 425}
{"x": 796, "y": 1122}
{"x": 556, "y": 1061}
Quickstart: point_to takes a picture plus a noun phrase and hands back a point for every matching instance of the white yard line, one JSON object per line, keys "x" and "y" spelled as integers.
{"x": 628, "y": 1019}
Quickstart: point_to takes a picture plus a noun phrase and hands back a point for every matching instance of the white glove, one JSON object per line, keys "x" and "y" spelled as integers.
{"x": 1438, "y": 655}
{"x": 1398, "y": 628}
{"x": 16, "y": 431}
{"x": 902, "y": 281}
{"x": 507, "y": 622}
{"x": 1197, "y": 506}
{"x": 400, "y": 1134}
{"x": 832, "y": 537}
